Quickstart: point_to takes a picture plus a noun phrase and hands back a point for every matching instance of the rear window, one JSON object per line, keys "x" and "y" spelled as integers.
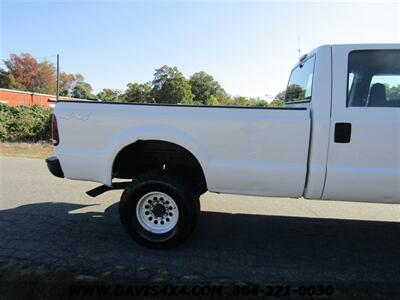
{"x": 299, "y": 88}
{"x": 374, "y": 78}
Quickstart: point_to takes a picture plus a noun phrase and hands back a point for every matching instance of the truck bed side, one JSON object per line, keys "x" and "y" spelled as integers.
{"x": 240, "y": 150}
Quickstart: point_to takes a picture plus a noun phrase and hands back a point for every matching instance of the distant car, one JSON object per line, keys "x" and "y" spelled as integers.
{"x": 338, "y": 137}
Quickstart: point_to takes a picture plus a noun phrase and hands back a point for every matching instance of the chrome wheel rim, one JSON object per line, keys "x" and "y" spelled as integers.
{"x": 157, "y": 212}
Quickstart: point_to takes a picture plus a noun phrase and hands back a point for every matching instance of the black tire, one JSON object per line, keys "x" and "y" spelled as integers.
{"x": 172, "y": 184}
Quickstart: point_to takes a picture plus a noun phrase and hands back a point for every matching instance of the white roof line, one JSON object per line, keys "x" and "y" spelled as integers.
{"x": 25, "y": 92}
{"x": 38, "y": 94}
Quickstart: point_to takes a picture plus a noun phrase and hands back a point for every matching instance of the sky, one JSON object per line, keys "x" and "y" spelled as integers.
{"x": 249, "y": 47}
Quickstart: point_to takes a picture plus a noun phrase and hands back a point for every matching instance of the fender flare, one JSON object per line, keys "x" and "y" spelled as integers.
{"x": 159, "y": 133}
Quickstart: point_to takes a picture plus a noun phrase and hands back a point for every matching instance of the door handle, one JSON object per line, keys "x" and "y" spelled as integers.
{"x": 342, "y": 132}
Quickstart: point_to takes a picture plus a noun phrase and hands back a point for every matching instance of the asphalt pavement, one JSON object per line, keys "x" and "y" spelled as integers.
{"x": 48, "y": 222}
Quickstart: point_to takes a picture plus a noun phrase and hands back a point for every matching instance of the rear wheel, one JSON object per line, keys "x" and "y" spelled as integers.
{"x": 159, "y": 209}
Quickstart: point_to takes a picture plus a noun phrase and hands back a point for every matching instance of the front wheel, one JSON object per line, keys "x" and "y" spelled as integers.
{"x": 159, "y": 209}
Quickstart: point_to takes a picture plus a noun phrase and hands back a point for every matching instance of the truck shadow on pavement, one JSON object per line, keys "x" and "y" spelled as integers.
{"x": 224, "y": 247}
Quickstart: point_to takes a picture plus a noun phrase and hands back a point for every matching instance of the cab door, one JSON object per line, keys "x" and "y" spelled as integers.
{"x": 364, "y": 147}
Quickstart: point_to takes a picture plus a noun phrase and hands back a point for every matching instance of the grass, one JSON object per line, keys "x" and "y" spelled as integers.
{"x": 32, "y": 150}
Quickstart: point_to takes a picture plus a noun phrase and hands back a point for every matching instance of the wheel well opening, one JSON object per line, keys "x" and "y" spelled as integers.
{"x": 144, "y": 155}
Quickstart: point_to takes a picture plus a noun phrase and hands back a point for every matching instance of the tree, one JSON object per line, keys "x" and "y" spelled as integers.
{"x": 67, "y": 82}
{"x": 238, "y": 101}
{"x": 204, "y": 86}
{"x": 277, "y": 103}
{"x": 4, "y": 79}
{"x": 139, "y": 92}
{"x": 25, "y": 73}
{"x": 295, "y": 92}
{"x": 82, "y": 90}
{"x": 45, "y": 81}
{"x": 74, "y": 85}
{"x": 170, "y": 86}
{"x": 281, "y": 96}
{"x": 110, "y": 95}
{"x": 258, "y": 102}
{"x": 224, "y": 99}
{"x": 212, "y": 101}
{"x": 393, "y": 92}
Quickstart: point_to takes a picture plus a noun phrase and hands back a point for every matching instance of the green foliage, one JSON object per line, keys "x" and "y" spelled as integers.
{"x": 82, "y": 90}
{"x": 393, "y": 92}
{"x": 110, "y": 95}
{"x": 281, "y": 96}
{"x": 244, "y": 101}
{"x": 25, "y": 124}
{"x": 277, "y": 103}
{"x": 295, "y": 92}
{"x": 74, "y": 85}
{"x": 5, "y": 81}
{"x": 258, "y": 102}
{"x": 24, "y": 72}
{"x": 139, "y": 92}
{"x": 204, "y": 87}
{"x": 212, "y": 101}
{"x": 67, "y": 82}
{"x": 170, "y": 86}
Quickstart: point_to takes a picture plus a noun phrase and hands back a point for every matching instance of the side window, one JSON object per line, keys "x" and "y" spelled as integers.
{"x": 391, "y": 84}
{"x": 300, "y": 83}
{"x": 374, "y": 78}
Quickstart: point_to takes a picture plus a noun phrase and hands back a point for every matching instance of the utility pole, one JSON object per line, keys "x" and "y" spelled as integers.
{"x": 58, "y": 77}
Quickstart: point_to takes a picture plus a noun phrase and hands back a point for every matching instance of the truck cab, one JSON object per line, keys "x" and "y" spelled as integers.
{"x": 355, "y": 110}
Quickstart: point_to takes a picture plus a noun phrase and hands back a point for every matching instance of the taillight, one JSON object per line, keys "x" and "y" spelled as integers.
{"x": 54, "y": 130}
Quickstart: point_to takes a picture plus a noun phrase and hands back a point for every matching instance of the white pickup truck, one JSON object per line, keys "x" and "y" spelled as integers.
{"x": 338, "y": 137}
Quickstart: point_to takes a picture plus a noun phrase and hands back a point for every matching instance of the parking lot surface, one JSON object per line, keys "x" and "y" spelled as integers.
{"x": 47, "y": 222}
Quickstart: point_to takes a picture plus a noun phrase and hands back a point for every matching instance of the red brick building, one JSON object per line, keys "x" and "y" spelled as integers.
{"x": 17, "y": 98}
